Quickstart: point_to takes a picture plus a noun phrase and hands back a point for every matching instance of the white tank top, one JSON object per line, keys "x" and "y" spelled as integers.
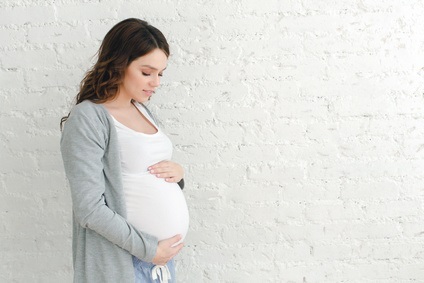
{"x": 154, "y": 206}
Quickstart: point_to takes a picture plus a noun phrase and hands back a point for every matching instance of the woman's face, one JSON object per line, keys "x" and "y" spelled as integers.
{"x": 143, "y": 75}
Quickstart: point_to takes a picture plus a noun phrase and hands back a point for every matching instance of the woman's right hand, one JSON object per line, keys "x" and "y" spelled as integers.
{"x": 166, "y": 250}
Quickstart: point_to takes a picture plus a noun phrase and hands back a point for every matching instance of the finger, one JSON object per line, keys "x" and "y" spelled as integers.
{"x": 159, "y": 167}
{"x": 160, "y": 170}
{"x": 175, "y": 239}
{"x": 159, "y": 164}
{"x": 165, "y": 175}
{"x": 176, "y": 250}
{"x": 171, "y": 180}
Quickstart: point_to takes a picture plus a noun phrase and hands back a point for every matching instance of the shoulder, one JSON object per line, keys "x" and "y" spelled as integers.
{"x": 89, "y": 116}
{"x": 89, "y": 109}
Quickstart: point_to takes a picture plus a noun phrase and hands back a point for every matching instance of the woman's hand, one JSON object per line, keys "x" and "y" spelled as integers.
{"x": 167, "y": 249}
{"x": 172, "y": 172}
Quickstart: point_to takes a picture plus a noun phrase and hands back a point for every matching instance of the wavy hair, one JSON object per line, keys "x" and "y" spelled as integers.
{"x": 124, "y": 43}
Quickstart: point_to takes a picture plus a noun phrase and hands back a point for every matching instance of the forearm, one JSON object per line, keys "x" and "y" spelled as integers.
{"x": 101, "y": 219}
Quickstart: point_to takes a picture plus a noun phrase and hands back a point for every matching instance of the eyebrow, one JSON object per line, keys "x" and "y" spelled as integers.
{"x": 151, "y": 67}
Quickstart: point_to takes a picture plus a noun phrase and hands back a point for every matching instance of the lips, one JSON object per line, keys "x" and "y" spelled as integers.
{"x": 149, "y": 92}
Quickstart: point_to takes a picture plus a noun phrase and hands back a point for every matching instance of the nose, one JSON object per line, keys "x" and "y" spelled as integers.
{"x": 155, "y": 81}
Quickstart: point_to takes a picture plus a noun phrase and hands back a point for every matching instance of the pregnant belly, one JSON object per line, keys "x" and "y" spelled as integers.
{"x": 155, "y": 206}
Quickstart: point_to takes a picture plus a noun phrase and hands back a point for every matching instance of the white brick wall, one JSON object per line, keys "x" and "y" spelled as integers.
{"x": 300, "y": 124}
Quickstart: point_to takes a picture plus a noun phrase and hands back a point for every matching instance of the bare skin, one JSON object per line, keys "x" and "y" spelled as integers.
{"x": 172, "y": 172}
{"x": 141, "y": 79}
{"x": 166, "y": 250}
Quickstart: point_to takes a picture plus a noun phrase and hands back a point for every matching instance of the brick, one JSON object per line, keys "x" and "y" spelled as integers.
{"x": 181, "y": 134}
{"x": 412, "y": 271}
{"x": 393, "y": 250}
{"x": 368, "y": 190}
{"x": 278, "y": 173}
{"x": 242, "y": 192}
{"x": 318, "y": 190}
{"x": 304, "y": 109}
{"x": 333, "y": 251}
{"x": 98, "y": 30}
{"x": 13, "y": 163}
{"x": 12, "y": 37}
{"x": 81, "y": 57}
{"x": 299, "y": 232}
{"x": 361, "y": 106}
{"x": 29, "y": 59}
{"x": 11, "y": 80}
{"x": 289, "y": 131}
{"x": 41, "y": 79}
{"x": 269, "y": 7}
{"x": 26, "y": 15}
{"x": 247, "y": 233}
{"x": 57, "y": 34}
{"x": 394, "y": 209}
{"x": 371, "y": 231}
{"x": 334, "y": 211}
{"x": 148, "y": 10}
{"x": 247, "y": 154}
{"x": 86, "y": 11}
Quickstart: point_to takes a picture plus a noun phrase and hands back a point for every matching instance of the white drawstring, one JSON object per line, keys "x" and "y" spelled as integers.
{"x": 162, "y": 273}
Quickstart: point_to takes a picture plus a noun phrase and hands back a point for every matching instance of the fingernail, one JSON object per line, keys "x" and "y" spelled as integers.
{"x": 151, "y": 171}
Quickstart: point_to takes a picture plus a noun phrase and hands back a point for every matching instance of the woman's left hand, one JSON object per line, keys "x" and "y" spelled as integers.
{"x": 172, "y": 172}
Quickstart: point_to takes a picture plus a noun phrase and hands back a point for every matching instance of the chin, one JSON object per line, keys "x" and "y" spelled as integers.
{"x": 142, "y": 100}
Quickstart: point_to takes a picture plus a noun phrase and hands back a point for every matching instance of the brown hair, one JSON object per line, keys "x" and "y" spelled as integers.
{"x": 125, "y": 42}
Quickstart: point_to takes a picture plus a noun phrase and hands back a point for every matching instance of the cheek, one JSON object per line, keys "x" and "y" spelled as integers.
{"x": 135, "y": 80}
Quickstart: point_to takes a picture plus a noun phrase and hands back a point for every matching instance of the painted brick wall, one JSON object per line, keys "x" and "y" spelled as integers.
{"x": 300, "y": 124}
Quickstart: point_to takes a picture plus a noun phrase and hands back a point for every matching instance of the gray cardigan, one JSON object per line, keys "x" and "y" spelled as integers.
{"x": 103, "y": 241}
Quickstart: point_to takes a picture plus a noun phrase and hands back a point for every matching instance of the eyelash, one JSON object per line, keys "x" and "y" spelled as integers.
{"x": 145, "y": 74}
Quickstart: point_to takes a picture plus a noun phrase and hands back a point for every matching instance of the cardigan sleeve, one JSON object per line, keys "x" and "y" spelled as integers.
{"x": 82, "y": 148}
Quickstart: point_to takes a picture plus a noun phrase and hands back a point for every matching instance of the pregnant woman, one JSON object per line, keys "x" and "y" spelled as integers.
{"x": 129, "y": 213}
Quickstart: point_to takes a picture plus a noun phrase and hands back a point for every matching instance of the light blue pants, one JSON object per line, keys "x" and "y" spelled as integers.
{"x": 143, "y": 271}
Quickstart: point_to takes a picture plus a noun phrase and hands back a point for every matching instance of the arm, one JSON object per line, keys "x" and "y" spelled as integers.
{"x": 82, "y": 147}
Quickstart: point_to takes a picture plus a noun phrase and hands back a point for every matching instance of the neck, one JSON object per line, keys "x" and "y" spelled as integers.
{"x": 119, "y": 102}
